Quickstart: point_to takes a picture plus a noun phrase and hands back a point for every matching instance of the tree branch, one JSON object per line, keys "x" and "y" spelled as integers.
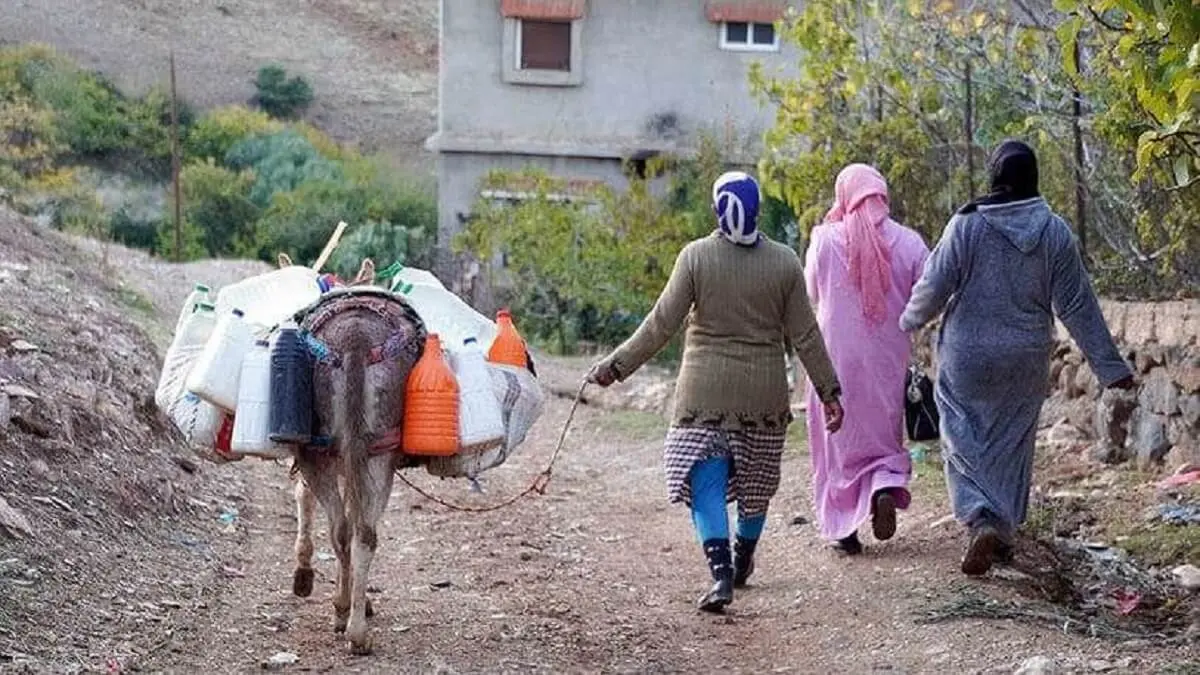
{"x": 1100, "y": 20}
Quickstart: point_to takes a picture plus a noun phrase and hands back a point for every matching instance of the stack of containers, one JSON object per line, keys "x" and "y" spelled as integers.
{"x": 217, "y": 374}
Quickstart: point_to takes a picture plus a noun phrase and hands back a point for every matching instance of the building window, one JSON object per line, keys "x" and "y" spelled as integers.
{"x": 544, "y": 45}
{"x": 748, "y": 36}
{"x": 543, "y": 52}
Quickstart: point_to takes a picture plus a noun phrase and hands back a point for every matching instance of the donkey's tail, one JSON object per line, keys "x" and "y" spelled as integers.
{"x": 350, "y": 422}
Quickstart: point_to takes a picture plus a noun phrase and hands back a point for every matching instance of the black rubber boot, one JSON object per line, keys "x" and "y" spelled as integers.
{"x": 981, "y": 551}
{"x": 849, "y": 545}
{"x": 1005, "y": 554}
{"x": 720, "y": 563}
{"x": 743, "y": 560}
{"x": 883, "y": 515}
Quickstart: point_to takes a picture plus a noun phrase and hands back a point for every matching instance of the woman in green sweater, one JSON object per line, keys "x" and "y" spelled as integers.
{"x": 744, "y": 300}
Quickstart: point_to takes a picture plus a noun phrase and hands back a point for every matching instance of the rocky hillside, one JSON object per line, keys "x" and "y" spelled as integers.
{"x": 109, "y": 529}
{"x": 372, "y": 63}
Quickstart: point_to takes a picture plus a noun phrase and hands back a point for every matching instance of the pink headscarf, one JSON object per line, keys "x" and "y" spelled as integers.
{"x": 861, "y": 205}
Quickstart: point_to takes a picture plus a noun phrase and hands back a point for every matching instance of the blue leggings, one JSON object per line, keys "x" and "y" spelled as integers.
{"x": 709, "y": 480}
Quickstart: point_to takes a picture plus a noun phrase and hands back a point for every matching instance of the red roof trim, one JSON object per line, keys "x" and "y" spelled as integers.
{"x": 750, "y": 11}
{"x": 547, "y": 10}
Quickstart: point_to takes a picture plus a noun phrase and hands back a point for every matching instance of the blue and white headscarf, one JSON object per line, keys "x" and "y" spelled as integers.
{"x": 735, "y": 199}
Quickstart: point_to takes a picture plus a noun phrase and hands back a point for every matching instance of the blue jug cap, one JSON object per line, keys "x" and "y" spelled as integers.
{"x": 470, "y": 341}
{"x": 238, "y": 313}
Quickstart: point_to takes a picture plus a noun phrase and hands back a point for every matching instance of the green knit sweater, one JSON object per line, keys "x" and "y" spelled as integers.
{"x": 743, "y": 307}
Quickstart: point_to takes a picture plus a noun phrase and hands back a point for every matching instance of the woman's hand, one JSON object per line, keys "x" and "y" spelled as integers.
{"x": 603, "y": 374}
{"x": 834, "y": 414}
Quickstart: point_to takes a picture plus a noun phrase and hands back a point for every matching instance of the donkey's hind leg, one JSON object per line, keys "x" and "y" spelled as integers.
{"x": 323, "y": 482}
{"x": 306, "y": 503}
{"x": 379, "y": 470}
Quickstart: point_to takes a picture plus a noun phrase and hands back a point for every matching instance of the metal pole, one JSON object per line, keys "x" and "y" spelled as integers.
{"x": 175, "y": 161}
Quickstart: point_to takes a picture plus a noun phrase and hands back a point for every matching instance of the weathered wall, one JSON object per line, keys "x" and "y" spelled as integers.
{"x": 1160, "y": 421}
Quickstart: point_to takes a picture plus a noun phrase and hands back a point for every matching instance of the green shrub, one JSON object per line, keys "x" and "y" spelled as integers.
{"x": 281, "y": 162}
{"x": 383, "y": 242}
{"x": 90, "y": 113}
{"x": 92, "y": 118}
{"x": 191, "y": 236}
{"x": 322, "y": 143}
{"x": 148, "y": 122}
{"x": 76, "y": 208}
{"x": 300, "y": 221}
{"x": 212, "y": 136}
{"x": 127, "y": 229}
{"x": 30, "y": 139}
{"x": 216, "y": 201}
{"x": 279, "y": 95}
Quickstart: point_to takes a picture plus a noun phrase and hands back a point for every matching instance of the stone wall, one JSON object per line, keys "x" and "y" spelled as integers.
{"x": 1160, "y": 420}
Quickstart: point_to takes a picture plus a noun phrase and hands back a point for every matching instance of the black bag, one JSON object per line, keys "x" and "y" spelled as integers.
{"x": 920, "y": 410}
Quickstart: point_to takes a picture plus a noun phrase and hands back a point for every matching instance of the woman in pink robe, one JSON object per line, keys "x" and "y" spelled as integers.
{"x": 860, "y": 270}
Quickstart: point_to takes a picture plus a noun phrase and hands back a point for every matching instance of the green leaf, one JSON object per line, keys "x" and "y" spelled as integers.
{"x": 1181, "y": 170}
{"x": 1068, "y": 36}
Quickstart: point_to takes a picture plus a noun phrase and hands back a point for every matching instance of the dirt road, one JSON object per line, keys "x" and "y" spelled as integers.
{"x": 599, "y": 575}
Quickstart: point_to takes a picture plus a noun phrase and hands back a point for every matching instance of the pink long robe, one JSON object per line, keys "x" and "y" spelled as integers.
{"x": 868, "y": 453}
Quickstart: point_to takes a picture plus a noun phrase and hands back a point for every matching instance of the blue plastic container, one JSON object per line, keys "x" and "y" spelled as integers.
{"x": 291, "y": 415}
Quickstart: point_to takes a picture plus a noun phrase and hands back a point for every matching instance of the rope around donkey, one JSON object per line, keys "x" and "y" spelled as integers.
{"x": 539, "y": 482}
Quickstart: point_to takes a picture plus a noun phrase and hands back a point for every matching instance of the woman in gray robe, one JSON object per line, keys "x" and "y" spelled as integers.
{"x": 1005, "y": 266}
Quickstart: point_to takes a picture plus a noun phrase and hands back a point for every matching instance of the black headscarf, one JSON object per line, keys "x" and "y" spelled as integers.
{"x": 1013, "y": 176}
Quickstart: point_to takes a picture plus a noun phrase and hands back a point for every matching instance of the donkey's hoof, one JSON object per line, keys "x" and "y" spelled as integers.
{"x": 362, "y": 648}
{"x": 340, "y": 619}
{"x": 370, "y": 610}
{"x": 302, "y": 582}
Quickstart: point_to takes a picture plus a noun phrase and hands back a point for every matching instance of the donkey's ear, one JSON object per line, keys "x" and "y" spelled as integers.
{"x": 285, "y": 260}
{"x": 366, "y": 273}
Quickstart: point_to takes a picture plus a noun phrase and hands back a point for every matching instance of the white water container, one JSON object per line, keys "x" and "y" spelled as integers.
{"x": 218, "y": 371}
{"x": 250, "y": 426}
{"x": 199, "y": 294}
{"x": 480, "y": 421}
{"x": 416, "y": 277}
{"x": 189, "y": 341}
{"x": 267, "y": 300}
{"x": 199, "y": 421}
{"x": 447, "y": 315}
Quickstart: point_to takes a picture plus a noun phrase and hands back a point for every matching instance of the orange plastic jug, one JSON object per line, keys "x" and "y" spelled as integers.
{"x": 431, "y": 405}
{"x": 508, "y": 347}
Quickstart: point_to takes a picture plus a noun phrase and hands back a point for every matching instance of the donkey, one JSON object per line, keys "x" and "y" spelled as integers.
{"x": 353, "y": 482}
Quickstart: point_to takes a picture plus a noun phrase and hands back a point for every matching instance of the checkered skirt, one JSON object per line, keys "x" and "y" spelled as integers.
{"x": 756, "y": 454}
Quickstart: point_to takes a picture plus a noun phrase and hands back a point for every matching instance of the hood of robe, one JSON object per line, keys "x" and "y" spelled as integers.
{"x": 1022, "y": 223}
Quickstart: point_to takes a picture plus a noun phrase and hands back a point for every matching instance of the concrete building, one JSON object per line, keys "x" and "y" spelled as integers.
{"x": 575, "y": 87}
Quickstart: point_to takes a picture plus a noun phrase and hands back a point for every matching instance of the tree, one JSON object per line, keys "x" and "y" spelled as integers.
{"x": 919, "y": 92}
{"x": 216, "y": 201}
{"x": 590, "y": 267}
{"x": 923, "y": 92}
{"x": 1142, "y": 76}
